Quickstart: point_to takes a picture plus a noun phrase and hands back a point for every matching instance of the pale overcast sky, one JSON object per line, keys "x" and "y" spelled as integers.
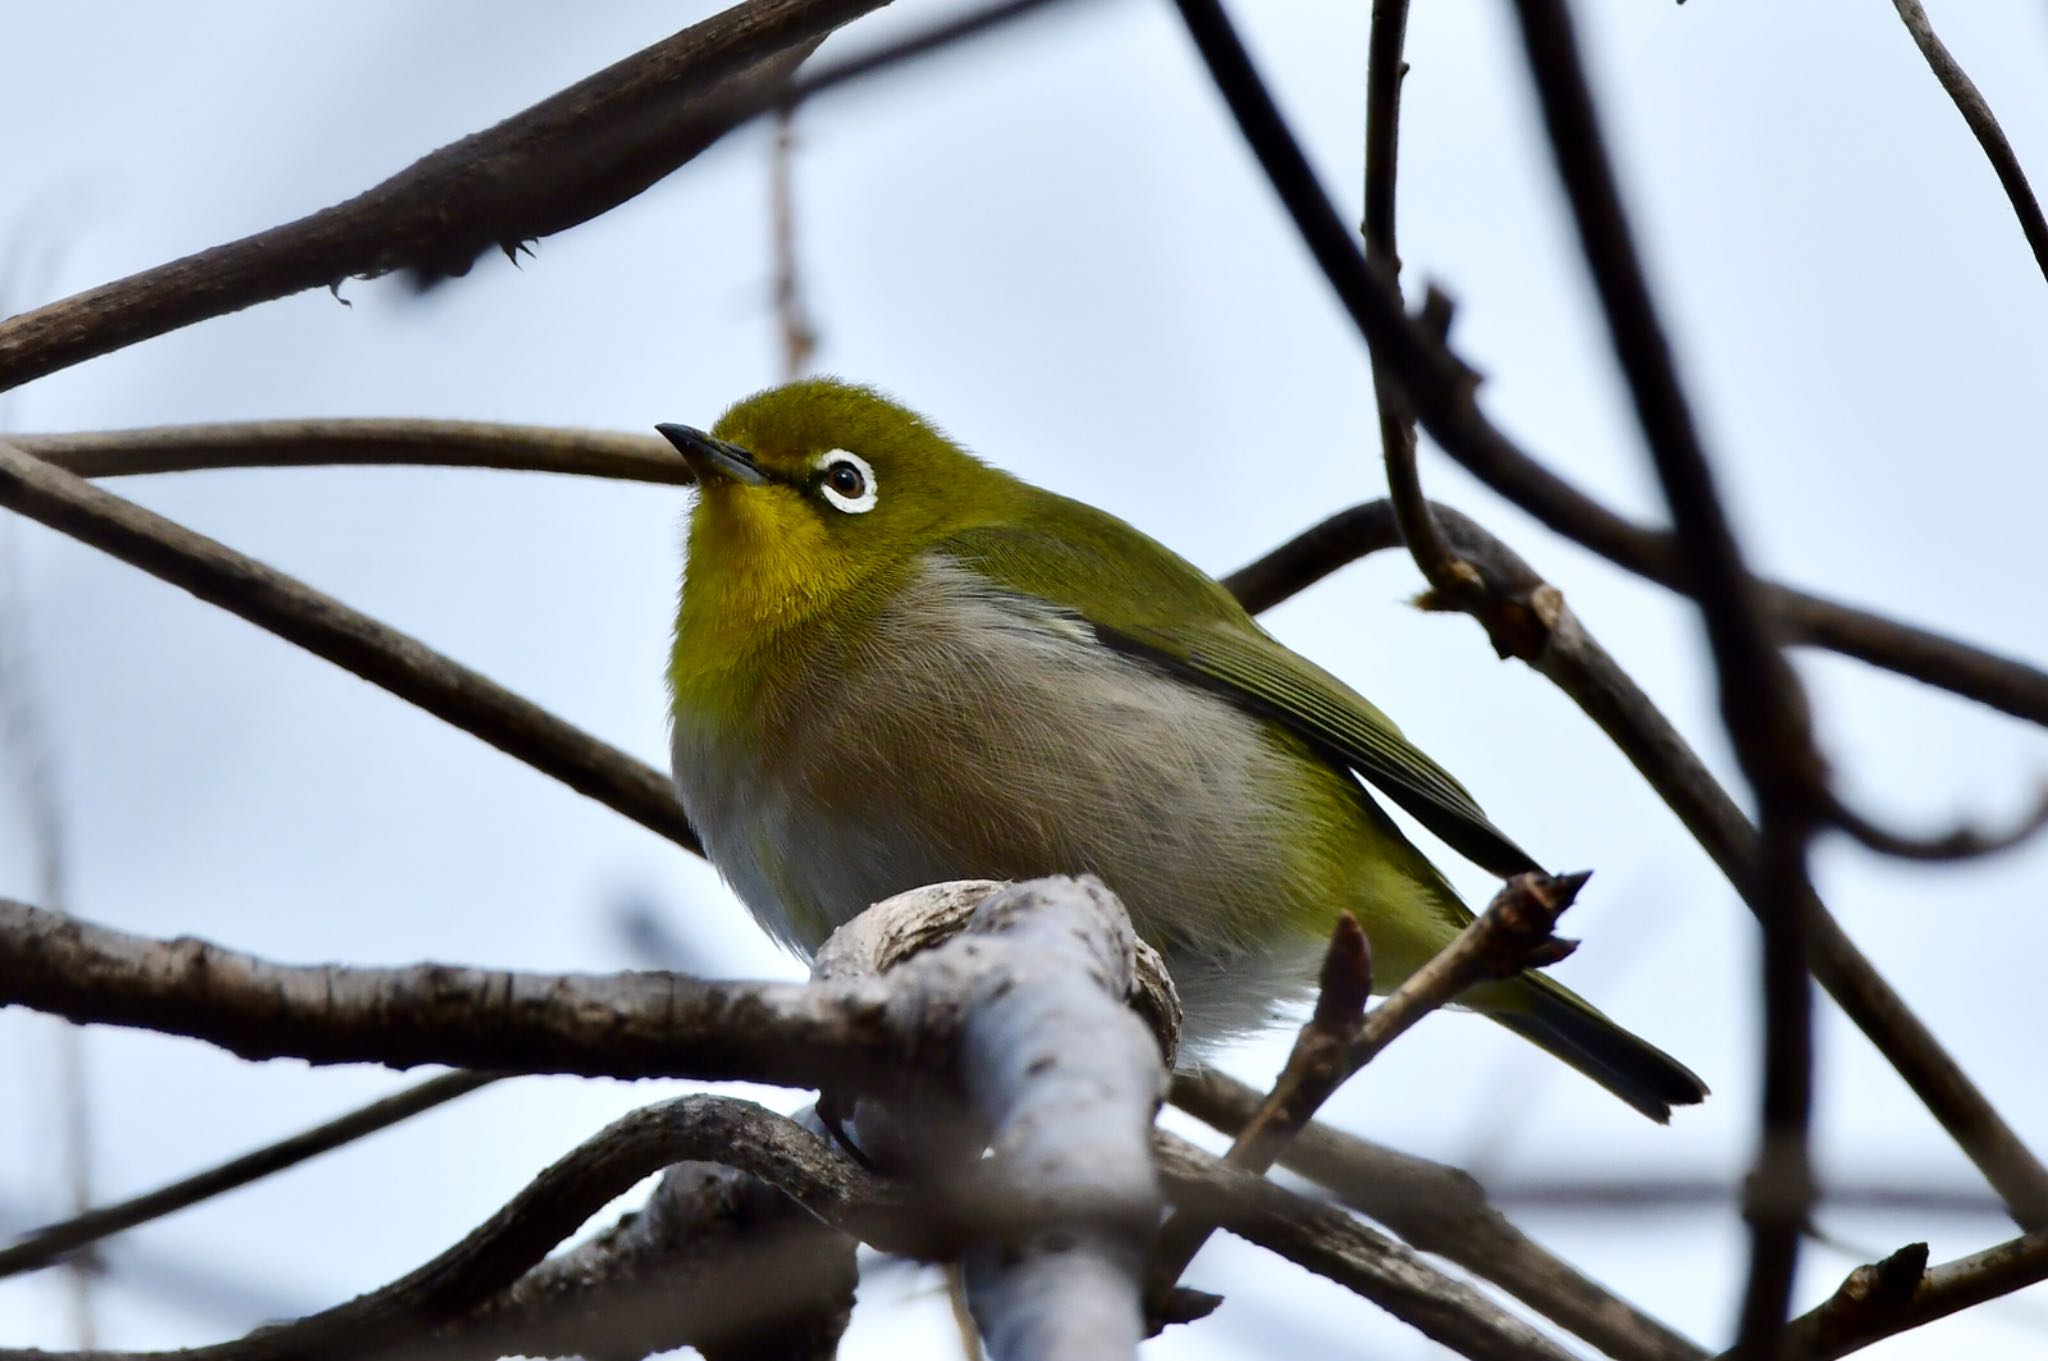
{"x": 1054, "y": 244}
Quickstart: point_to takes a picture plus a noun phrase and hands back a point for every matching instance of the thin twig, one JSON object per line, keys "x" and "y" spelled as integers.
{"x": 1385, "y": 71}
{"x": 1442, "y": 1210}
{"x": 359, "y": 442}
{"x": 25, "y": 735}
{"x": 799, "y": 338}
{"x": 1945, "y": 663}
{"x": 1512, "y": 934}
{"x": 47, "y": 1246}
{"x": 329, "y": 629}
{"x": 1983, "y": 124}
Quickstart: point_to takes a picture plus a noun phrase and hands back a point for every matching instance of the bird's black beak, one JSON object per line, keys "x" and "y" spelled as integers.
{"x": 710, "y": 457}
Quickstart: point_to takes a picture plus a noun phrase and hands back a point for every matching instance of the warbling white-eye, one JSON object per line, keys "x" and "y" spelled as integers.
{"x": 895, "y": 665}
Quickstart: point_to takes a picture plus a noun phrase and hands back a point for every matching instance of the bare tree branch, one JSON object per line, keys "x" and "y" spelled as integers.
{"x": 559, "y": 163}
{"x": 494, "y": 1255}
{"x": 567, "y": 159}
{"x": 792, "y": 318}
{"x": 1762, "y": 703}
{"x": 1983, "y": 124}
{"x": 1444, "y": 1211}
{"x": 1512, "y": 934}
{"x": 1437, "y": 386}
{"x": 1331, "y": 1243}
{"x": 356, "y": 442}
{"x": 1962, "y": 843}
{"x": 716, "y": 1259}
{"x": 47, "y": 1246}
{"x": 1901, "y": 1293}
{"x": 329, "y": 629}
{"x": 1530, "y": 615}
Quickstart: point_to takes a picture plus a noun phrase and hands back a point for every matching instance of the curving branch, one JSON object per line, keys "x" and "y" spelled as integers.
{"x": 716, "y": 1258}
{"x": 1983, "y": 124}
{"x": 329, "y": 629}
{"x": 494, "y": 1255}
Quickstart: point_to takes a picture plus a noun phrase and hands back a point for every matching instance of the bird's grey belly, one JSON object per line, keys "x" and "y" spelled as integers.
{"x": 990, "y": 738}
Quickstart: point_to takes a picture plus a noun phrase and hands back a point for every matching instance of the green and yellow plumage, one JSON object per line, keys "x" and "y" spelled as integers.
{"x": 895, "y": 665}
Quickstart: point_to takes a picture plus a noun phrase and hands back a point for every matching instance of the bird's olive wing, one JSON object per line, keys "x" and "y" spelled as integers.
{"x": 1253, "y": 670}
{"x": 1141, "y": 599}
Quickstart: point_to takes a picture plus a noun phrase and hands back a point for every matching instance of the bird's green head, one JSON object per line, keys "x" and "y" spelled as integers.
{"x": 813, "y": 489}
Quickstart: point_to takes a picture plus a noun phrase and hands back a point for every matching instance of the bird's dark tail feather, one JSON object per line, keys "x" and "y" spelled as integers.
{"x": 1557, "y": 1020}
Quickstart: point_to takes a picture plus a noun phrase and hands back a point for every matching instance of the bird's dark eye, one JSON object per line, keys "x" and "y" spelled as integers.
{"x": 847, "y": 480}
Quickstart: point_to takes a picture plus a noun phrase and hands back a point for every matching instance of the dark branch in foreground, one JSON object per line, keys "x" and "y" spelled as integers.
{"x": 1983, "y": 124}
{"x": 1762, "y": 703}
{"x": 1772, "y": 874}
{"x": 357, "y": 643}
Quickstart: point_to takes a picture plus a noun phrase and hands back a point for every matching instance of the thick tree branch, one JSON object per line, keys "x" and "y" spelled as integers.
{"x": 1983, "y": 125}
{"x": 1061, "y": 1082}
{"x": 329, "y": 629}
{"x": 598, "y": 1025}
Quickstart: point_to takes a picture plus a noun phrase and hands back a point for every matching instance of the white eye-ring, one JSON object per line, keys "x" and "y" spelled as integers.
{"x": 847, "y": 481}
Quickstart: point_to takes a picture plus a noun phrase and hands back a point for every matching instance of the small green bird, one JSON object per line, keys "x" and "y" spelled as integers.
{"x": 895, "y": 665}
